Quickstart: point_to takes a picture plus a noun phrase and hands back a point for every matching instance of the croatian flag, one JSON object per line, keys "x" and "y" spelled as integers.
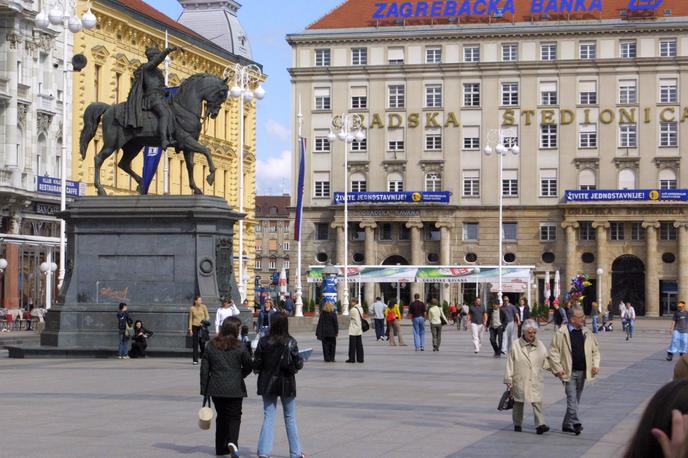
{"x": 151, "y": 160}
{"x": 299, "y": 190}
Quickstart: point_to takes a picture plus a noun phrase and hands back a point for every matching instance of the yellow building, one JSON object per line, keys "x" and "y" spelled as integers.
{"x": 115, "y": 48}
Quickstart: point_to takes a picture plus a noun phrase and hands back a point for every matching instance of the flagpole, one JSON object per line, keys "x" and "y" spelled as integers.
{"x": 166, "y": 165}
{"x": 299, "y": 292}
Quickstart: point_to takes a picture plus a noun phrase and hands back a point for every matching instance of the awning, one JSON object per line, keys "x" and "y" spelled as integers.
{"x": 29, "y": 240}
{"x": 514, "y": 276}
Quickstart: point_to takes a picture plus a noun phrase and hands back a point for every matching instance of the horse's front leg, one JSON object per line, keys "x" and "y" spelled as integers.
{"x": 130, "y": 151}
{"x": 188, "y": 159}
{"x": 195, "y": 146}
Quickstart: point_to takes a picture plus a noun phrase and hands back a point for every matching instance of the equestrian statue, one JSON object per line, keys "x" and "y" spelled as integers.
{"x": 148, "y": 118}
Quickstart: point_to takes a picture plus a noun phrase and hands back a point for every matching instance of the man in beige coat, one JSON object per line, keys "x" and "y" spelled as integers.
{"x": 574, "y": 357}
{"x": 525, "y": 366}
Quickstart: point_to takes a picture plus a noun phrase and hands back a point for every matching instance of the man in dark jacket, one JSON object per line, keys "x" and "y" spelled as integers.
{"x": 523, "y": 311}
{"x": 418, "y": 311}
{"x": 123, "y": 321}
{"x": 496, "y": 321}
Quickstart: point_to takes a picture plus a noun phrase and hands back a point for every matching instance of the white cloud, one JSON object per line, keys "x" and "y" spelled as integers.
{"x": 278, "y": 130}
{"x": 273, "y": 175}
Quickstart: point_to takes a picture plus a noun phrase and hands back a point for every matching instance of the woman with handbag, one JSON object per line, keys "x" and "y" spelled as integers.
{"x": 355, "y": 332}
{"x": 277, "y": 360}
{"x": 437, "y": 320}
{"x": 198, "y": 312}
{"x": 327, "y": 331}
{"x": 224, "y": 366}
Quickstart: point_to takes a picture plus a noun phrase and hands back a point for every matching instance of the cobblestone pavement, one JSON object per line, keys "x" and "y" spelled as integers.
{"x": 400, "y": 403}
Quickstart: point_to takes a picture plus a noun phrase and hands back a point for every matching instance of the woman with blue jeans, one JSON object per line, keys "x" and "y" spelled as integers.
{"x": 122, "y": 321}
{"x": 276, "y": 361}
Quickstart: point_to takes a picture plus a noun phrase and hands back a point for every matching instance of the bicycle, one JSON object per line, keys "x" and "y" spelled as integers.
{"x": 627, "y": 328}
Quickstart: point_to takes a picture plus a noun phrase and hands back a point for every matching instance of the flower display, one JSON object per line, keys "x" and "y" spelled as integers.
{"x": 578, "y": 285}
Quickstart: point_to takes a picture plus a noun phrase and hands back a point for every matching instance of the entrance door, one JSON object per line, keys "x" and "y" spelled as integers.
{"x": 389, "y": 291}
{"x": 668, "y": 298}
{"x": 628, "y": 283}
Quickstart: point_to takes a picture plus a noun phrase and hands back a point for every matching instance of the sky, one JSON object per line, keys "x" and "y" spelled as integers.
{"x": 267, "y": 22}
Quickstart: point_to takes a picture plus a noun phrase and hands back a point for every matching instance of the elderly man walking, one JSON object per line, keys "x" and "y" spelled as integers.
{"x": 525, "y": 366}
{"x": 574, "y": 357}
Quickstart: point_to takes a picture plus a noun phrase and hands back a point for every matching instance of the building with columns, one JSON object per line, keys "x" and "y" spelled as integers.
{"x": 598, "y": 184}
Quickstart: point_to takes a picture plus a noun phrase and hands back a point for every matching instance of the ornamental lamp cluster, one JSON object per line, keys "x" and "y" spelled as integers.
{"x": 57, "y": 17}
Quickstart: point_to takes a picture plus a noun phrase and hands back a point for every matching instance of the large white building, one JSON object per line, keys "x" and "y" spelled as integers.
{"x": 595, "y": 99}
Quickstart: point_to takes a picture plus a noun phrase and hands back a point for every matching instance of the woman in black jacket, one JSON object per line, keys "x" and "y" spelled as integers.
{"x": 224, "y": 366}
{"x": 327, "y": 331}
{"x": 276, "y": 361}
{"x": 140, "y": 343}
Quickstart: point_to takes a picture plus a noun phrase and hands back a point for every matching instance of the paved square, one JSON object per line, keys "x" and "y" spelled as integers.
{"x": 400, "y": 403}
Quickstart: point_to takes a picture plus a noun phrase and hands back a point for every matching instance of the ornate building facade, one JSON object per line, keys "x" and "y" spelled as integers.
{"x": 596, "y": 100}
{"x": 273, "y": 239}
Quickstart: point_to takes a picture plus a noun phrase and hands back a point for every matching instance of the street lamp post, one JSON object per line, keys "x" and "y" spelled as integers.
{"x": 70, "y": 23}
{"x": 48, "y": 268}
{"x": 246, "y": 77}
{"x": 494, "y": 138}
{"x": 347, "y": 124}
{"x": 600, "y": 272}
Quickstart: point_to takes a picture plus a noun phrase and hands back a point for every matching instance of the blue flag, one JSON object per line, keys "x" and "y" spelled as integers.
{"x": 151, "y": 159}
{"x": 299, "y": 191}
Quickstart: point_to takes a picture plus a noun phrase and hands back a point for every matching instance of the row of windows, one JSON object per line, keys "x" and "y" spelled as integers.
{"x": 272, "y": 264}
{"x": 548, "y": 94}
{"x": 623, "y": 230}
{"x": 549, "y": 50}
{"x": 272, "y": 245}
{"x": 273, "y": 227}
{"x": 548, "y": 186}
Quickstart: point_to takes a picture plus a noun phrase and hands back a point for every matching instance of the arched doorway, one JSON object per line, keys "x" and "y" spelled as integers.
{"x": 628, "y": 283}
{"x": 389, "y": 290}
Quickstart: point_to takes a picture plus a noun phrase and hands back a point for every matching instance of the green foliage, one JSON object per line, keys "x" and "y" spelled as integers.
{"x": 539, "y": 311}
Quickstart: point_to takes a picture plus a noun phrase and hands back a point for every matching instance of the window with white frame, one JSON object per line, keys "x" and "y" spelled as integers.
{"x": 668, "y": 90}
{"x": 588, "y": 92}
{"x": 616, "y": 231}
{"x": 395, "y": 139}
{"x": 667, "y": 231}
{"x": 358, "y": 183}
{"x": 548, "y": 183}
{"x": 587, "y": 136}
{"x": 359, "y": 56}
{"x": 286, "y": 226}
{"x": 587, "y": 50}
{"x": 321, "y": 185}
{"x": 510, "y": 231}
{"x": 321, "y": 143}
{"x": 395, "y": 55}
{"x": 285, "y": 246}
{"x": 433, "y": 139}
{"x": 286, "y": 264}
{"x": 548, "y": 232}
{"x": 395, "y": 182}
{"x": 433, "y": 181}
{"x": 433, "y": 95}
{"x": 667, "y": 179}
{"x": 548, "y": 51}
{"x": 586, "y": 231}
{"x": 548, "y": 136}
{"x": 628, "y": 49}
{"x": 509, "y": 52}
{"x": 359, "y": 97}
{"x": 471, "y": 231}
{"x": 627, "y": 179}
{"x": 471, "y": 183}
{"x": 637, "y": 232}
{"x": 273, "y": 227}
{"x": 510, "y": 94}
{"x": 508, "y": 136}
{"x": 667, "y": 47}
{"x": 628, "y": 91}
{"x": 587, "y": 180}
{"x": 272, "y": 264}
{"x": 548, "y": 93}
{"x": 668, "y": 134}
{"x": 471, "y": 94}
{"x": 628, "y": 135}
{"x": 433, "y": 55}
{"x": 322, "y": 98}
{"x": 471, "y": 137}
{"x": 471, "y": 53}
{"x": 510, "y": 183}
{"x": 322, "y": 58}
{"x": 396, "y": 95}
{"x": 259, "y": 264}
{"x": 259, "y": 245}
{"x": 359, "y": 145}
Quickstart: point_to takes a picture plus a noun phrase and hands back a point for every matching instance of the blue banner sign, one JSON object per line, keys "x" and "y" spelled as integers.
{"x": 151, "y": 160}
{"x": 611, "y": 195}
{"x": 50, "y": 185}
{"x": 436, "y": 197}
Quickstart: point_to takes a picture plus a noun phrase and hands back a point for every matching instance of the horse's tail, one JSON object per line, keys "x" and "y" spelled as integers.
{"x": 92, "y": 117}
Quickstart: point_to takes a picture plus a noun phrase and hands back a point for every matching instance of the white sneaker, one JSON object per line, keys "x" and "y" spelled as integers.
{"x": 119, "y": 357}
{"x": 233, "y": 450}
{"x": 195, "y": 363}
{"x": 125, "y": 357}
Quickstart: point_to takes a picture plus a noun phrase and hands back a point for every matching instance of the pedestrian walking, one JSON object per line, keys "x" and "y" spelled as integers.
{"x": 511, "y": 325}
{"x": 559, "y": 317}
{"x": 225, "y": 365}
{"x": 140, "y": 340}
{"x": 525, "y": 365}
{"x": 123, "y": 322}
{"x": 327, "y": 331}
{"x": 628, "y": 319}
{"x": 228, "y": 309}
{"x": 437, "y": 320}
{"x": 495, "y": 322}
{"x": 289, "y": 305}
{"x": 393, "y": 318}
{"x": 477, "y": 316}
{"x": 198, "y": 312}
{"x": 277, "y": 361}
{"x": 574, "y": 358}
{"x": 454, "y": 314}
{"x": 379, "y": 308}
{"x": 418, "y": 312}
{"x": 523, "y": 311}
{"x": 355, "y": 332}
{"x": 463, "y": 313}
{"x": 595, "y": 312}
{"x": 679, "y": 332}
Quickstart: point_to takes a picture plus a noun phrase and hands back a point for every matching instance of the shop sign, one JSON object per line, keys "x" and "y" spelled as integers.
{"x": 441, "y": 197}
{"x": 612, "y": 195}
{"x": 45, "y": 209}
{"x": 379, "y": 213}
{"x": 50, "y": 185}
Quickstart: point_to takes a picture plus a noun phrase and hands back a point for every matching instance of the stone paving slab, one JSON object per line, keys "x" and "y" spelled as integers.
{"x": 400, "y": 403}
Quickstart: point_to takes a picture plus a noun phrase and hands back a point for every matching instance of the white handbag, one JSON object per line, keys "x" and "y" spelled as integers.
{"x": 205, "y": 414}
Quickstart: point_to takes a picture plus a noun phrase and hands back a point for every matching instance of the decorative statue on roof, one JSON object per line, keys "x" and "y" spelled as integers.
{"x": 150, "y": 119}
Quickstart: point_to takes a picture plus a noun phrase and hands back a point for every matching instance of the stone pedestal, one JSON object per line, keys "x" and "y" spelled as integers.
{"x": 154, "y": 253}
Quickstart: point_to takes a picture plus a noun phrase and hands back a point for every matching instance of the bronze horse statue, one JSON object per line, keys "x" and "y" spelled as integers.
{"x": 187, "y": 107}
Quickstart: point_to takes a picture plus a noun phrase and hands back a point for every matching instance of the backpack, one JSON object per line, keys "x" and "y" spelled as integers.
{"x": 391, "y": 316}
